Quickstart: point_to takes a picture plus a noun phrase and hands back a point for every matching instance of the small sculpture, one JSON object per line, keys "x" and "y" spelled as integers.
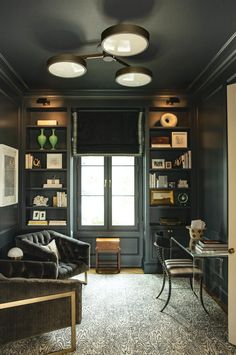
{"x": 40, "y": 200}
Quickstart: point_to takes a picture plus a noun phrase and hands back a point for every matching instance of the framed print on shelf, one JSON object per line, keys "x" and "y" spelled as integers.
{"x": 36, "y": 215}
{"x": 179, "y": 139}
{"x": 42, "y": 215}
{"x": 54, "y": 161}
{"x": 168, "y": 165}
{"x": 158, "y": 163}
{"x": 161, "y": 197}
{"x": 8, "y": 175}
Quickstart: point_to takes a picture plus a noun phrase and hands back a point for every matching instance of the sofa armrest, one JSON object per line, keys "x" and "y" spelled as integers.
{"x": 73, "y": 249}
{"x": 29, "y": 320}
{"x": 35, "y": 251}
{"x": 29, "y": 269}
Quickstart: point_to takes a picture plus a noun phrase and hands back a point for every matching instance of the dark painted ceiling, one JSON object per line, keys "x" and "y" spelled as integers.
{"x": 184, "y": 36}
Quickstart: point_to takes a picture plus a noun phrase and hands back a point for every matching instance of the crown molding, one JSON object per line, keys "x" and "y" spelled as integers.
{"x": 225, "y": 57}
{"x": 12, "y": 80}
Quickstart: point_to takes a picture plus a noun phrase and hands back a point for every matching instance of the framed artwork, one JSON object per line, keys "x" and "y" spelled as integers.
{"x": 36, "y": 215}
{"x": 54, "y": 161}
{"x": 161, "y": 197}
{"x": 168, "y": 164}
{"x": 158, "y": 163}
{"x": 179, "y": 139}
{"x": 8, "y": 175}
{"x": 42, "y": 215}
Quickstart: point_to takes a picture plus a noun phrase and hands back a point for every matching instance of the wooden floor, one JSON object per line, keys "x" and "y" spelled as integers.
{"x": 122, "y": 271}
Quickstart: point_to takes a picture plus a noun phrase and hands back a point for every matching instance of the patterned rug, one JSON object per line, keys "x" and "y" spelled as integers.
{"x": 122, "y": 317}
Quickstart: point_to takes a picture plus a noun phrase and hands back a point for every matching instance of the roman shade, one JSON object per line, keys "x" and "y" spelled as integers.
{"x": 107, "y": 132}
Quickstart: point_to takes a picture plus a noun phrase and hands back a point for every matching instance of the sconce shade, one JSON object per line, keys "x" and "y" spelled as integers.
{"x": 124, "y": 40}
{"x": 67, "y": 66}
{"x": 133, "y": 76}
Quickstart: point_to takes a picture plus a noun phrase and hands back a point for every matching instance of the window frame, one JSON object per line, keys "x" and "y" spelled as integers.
{"x": 107, "y": 227}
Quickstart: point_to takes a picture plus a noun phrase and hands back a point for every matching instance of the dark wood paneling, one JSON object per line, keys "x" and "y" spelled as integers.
{"x": 9, "y": 136}
{"x": 213, "y": 183}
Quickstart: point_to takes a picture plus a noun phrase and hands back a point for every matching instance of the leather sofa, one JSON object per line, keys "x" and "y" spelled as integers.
{"x": 40, "y": 262}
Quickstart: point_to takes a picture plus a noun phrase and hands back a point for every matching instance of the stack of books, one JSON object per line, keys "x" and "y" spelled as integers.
{"x": 57, "y": 223}
{"x": 211, "y": 246}
{"x": 37, "y": 223}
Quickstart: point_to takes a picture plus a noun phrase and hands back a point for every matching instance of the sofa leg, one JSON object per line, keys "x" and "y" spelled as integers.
{"x": 85, "y": 278}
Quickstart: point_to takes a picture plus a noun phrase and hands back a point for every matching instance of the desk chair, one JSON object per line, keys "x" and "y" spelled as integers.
{"x": 176, "y": 268}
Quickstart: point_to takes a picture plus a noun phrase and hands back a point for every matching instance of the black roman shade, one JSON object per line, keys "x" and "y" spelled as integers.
{"x": 107, "y": 132}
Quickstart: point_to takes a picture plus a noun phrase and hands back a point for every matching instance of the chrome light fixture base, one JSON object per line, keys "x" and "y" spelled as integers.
{"x": 133, "y": 76}
{"x": 67, "y": 66}
{"x": 124, "y": 40}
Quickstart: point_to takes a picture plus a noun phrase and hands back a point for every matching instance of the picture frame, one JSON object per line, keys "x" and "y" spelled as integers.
{"x": 161, "y": 197}
{"x": 42, "y": 215}
{"x": 158, "y": 163}
{"x": 36, "y": 215}
{"x": 168, "y": 165}
{"x": 8, "y": 176}
{"x": 54, "y": 161}
{"x": 179, "y": 139}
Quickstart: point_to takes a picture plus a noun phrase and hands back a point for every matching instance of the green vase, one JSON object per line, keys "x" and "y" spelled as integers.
{"x": 42, "y": 139}
{"x": 53, "y": 139}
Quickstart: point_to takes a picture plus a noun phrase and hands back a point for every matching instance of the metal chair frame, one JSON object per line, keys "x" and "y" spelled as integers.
{"x": 161, "y": 247}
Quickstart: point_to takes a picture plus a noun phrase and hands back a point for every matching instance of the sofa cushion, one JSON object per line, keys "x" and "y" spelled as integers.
{"x": 66, "y": 270}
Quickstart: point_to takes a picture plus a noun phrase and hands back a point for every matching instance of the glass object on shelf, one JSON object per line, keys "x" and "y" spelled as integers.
{"x": 42, "y": 139}
{"x": 53, "y": 139}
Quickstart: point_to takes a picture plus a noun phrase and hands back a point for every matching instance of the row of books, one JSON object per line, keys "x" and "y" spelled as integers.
{"x": 208, "y": 246}
{"x": 185, "y": 160}
{"x": 60, "y": 200}
{"x": 29, "y": 161}
{"x": 47, "y": 223}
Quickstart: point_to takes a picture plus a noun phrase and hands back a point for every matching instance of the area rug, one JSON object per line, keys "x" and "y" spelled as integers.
{"x": 121, "y": 316}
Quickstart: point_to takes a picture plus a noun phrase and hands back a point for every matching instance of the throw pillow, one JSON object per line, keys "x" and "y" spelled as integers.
{"x": 53, "y": 248}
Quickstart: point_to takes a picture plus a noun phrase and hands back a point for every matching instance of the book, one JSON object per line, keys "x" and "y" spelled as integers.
{"x": 46, "y": 123}
{"x": 57, "y": 223}
{"x": 156, "y": 145}
{"x": 37, "y": 223}
{"x": 51, "y": 186}
{"x": 207, "y": 243}
{"x": 210, "y": 251}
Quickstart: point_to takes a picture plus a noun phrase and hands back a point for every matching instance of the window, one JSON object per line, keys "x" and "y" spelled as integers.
{"x": 108, "y": 198}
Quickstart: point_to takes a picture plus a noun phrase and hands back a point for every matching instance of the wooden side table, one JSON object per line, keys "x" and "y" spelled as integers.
{"x": 107, "y": 246}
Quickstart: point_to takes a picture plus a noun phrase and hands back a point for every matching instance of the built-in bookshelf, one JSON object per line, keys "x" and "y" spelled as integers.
{"x": 45, "y": 179}
{"x": 169, "y": 179}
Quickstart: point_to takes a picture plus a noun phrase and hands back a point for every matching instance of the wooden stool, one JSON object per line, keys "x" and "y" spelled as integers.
{"x": 108, "y": 246}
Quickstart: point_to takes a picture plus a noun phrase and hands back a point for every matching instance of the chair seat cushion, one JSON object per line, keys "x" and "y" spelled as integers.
{"x": 178, "y": 271}
{"x": 173, "y": 263}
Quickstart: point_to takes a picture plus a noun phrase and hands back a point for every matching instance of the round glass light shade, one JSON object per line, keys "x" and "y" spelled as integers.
{"x": 67, "y": 66}
{"x": 133, "y": 76}
{"x": 124, "y": 40}
{"x": 15, "y": 253}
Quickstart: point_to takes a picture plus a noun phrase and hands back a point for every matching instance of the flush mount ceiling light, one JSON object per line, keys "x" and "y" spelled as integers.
{"x": 116, "y": 41}
{"x": 133, "y": 76}
{"x": 124, "y": 40}
{"x": 67, "y": 66}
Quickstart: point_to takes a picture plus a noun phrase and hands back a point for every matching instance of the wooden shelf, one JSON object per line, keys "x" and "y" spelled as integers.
{"x": 169, "y": 188}
{"x": 46, "y": 188}
{"x": 169, "y": 149}
{"x": 177, "y": 128}
{"x": 46, "y": 170}
{"x": 169, "y": 170}
{"x": 45, "y": 208}
{"x": 45, "y": 126}
{"x": 170, "y": 207}
{"x": 45, "y": 151}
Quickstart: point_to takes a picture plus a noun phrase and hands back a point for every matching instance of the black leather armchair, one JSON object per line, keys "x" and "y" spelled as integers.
{"x": 74, "y": 257}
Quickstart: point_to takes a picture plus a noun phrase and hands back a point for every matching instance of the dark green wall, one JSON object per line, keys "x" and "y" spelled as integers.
{"x": 9, "y": 127}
